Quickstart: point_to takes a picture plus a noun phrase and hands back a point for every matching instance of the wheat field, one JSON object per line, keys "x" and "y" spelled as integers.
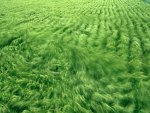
{"x": 74, "y": 56}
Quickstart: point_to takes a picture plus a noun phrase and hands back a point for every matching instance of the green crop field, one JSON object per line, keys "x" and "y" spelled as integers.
{"x": 74, "y": 56}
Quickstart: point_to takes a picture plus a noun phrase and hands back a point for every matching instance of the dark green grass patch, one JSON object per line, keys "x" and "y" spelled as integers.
{"x": 147, "y": 1}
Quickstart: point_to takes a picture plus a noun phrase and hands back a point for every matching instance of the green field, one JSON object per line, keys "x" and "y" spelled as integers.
{"x": 74, "y": 56}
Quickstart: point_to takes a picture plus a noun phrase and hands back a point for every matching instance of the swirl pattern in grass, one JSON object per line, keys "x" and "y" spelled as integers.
{"x": 74, "y": 56}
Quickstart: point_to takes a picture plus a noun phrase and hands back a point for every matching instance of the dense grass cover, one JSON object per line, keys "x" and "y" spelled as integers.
{"x": 148, "y": 1}
{"x": 74, "y": 56}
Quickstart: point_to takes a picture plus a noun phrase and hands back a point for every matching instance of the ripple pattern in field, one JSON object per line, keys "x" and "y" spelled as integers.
{"x": 74, "y": 56}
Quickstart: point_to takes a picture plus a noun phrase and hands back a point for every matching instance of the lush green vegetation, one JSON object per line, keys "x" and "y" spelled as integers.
{"x": 147, "y": 1}
{"x": 74, "y": 56}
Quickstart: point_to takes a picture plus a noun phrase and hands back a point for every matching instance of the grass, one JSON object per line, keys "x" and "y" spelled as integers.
{"x": 74, "y": 56}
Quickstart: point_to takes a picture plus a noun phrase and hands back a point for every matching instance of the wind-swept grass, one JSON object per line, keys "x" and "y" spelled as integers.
{"x": 74, "y": 56}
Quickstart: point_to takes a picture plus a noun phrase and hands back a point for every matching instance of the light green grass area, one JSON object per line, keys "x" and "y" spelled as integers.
{"x": 74, "y": 56}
